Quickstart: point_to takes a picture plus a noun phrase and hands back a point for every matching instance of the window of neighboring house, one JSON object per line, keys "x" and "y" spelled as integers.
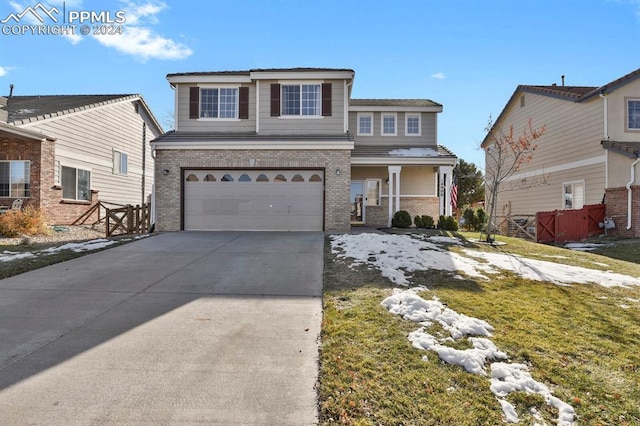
{"x": 76, "y": 184}
{"x": 219, "y": 103}
{"x": 412, "y": 125}
{"x": 365, "y": 124}
{"x": 573, "y": 195}
{"x": 388, "y": 125}
{"x": 15, "y": 179}
{"x": 301, "y": 99}
{"x": 120, "y": 162}
{"x": 633, "y": 114}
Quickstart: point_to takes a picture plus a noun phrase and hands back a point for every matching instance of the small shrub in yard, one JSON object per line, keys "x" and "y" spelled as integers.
{"x": 470, "y": 218}
{"x": 423, "y": 221}
{"x": 28, "y": 221}
{"x": 447, "y": 223}
{"x": 402, "y": 219}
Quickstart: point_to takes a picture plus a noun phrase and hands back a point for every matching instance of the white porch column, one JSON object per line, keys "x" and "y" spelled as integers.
{"x": 394, "y": 181}
{"x": 446, "y": 178}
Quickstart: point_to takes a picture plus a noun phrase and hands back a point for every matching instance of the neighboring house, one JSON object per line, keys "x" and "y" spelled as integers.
{"x": 588, "y": 153}
{"x": 288, "y": 149}
{"x": 65, "y": 153}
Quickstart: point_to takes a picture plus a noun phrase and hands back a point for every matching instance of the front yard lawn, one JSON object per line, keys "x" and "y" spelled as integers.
{"x": 579, "y": 341}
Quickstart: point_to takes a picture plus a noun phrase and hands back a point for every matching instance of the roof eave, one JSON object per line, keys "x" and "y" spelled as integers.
{"x": 24, "y": 133}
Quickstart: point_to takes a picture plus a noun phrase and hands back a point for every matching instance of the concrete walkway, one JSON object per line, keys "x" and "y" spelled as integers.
{"x": 215, "y": 328}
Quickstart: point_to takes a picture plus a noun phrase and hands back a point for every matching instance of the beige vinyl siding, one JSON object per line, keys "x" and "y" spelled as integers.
{"x": 544, "y": 193}
{"x": 86, "y": 140}
{"x": 573, "y": 135}
{"x": 333, "y": 124}
{"x": 186, "y": 124}
{"x": 414, "y": 180}
{"x": 618, "y": 112}
{"x": 620, "y": 170}
{"x": 427, "y": 124}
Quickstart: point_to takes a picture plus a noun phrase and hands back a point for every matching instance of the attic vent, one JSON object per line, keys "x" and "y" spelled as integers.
{"x": 522, "y": 101}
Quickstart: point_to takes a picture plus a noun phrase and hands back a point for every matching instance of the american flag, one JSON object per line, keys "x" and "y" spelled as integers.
{"x": 454, "y": 193}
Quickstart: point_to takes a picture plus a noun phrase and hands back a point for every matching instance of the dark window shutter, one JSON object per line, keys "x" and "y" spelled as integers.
{"x": 243, "y": 102}
{"x": 326, "y": 99}
{"x": 194, "y": 102}
{"x": 275, "y": 100}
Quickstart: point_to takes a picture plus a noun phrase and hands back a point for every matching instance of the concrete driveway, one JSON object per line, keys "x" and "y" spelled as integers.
{"x": 215, "y": 328}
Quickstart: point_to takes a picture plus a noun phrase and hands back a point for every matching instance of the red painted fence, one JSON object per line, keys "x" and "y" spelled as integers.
{"x": 560, "y": 226}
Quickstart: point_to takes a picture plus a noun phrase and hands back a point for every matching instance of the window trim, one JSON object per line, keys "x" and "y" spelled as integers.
{"x": 364, "y": 114}
{"x": 26, "y": 190}
{"x": 406, "y": 124}
{"x": 395, "y": 121}
{"x": 126, "y": 163}
{"x": 218, "y": 87}
{"x": 627, "y": 100}
{"x": 89, "y": 196}
{"x": 282, "y": 84}
{"x": 572, "y": 183}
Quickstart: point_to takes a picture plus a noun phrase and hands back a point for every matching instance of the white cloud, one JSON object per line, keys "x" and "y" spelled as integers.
{"x": 4, "y": 71}
{"x": 139, "y": 39}
{"x": 438, "y": 76}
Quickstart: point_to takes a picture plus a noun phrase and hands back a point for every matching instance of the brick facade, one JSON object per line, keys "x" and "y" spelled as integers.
{"x": 377, "y": 216}
{"x": 616, "y": 208}
{"x": 337, "y": 186}
{"x": 43, "y": 192}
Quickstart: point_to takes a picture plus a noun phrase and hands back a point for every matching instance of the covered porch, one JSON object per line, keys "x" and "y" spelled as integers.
{"x": 385, "y": 179}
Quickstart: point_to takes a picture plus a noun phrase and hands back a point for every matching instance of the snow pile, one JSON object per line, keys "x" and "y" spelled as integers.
{"x": 393, "y": 255}
{"x": 396, "y": 255}
{"x": 7, "y": 256}
{"x": 80, "y": 247}
{"x": 505, "y": 378}
{"x": 541, "y": 270}
{"x": 443, "y": 239}
{"x": 414, "y": 152}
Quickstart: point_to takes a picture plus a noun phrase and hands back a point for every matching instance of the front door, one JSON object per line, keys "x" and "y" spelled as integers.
{"x": 357, "y": 202}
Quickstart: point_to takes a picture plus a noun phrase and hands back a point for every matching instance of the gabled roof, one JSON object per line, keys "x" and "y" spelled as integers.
{"x": 25, "y": 109}
{"x": 568, "y": 93}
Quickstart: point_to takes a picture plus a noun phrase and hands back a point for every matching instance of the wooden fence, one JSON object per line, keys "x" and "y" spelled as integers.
{"x": 560, "y": 226}
{"x": 129, "y": 220}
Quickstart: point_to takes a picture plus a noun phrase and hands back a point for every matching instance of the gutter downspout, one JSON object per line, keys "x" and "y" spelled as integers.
{"x": 629, "y": 192}
{"x": 606, "y": 137}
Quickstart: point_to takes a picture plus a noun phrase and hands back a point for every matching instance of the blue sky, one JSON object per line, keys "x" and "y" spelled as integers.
{"x": 467, "y": 55}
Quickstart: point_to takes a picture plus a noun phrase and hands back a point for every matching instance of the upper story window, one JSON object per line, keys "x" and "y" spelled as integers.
{"x": 15, "y": 179}
{"x": 365, "y": 124}
{"x": 301, "y": 99}
{"x": 633, "y": 114}
{"x": 219, "y": 103}
{"x": 227, "y": 103}
{"x": 389, "y": 125}
{"x": 120, "y": 162}
{"x": 412, "y": 125}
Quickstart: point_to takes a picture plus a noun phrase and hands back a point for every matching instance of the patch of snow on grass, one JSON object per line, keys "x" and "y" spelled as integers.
{"x": 585, "y": 246}
{"x": 80, "y": 247}
{"x": 396, "y": 255}
{"x": 505, "y": 378}
{"x": 541, "y": 270}
{"x": 443, "y": 239}
{"x": 7, "y": 256}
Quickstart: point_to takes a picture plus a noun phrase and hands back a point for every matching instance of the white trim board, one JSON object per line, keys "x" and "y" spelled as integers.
{"x": 601, "y": 159}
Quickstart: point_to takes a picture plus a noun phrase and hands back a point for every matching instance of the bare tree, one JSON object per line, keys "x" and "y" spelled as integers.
{"x": 506, "y": 152}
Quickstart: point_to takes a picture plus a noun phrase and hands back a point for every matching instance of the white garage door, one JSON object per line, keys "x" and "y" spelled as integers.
{"x": 256, "y": 200}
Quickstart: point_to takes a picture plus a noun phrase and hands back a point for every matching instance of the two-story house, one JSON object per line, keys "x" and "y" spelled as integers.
{"x": 65, "y": 153}
{"x": 288, "y": 149}
{"x": 570, "y": 168}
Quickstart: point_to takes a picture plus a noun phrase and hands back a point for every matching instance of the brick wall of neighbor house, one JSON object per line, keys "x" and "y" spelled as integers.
{"x": 616, "y": 208}
{"x": 337, "y": 216}
{"x": 377, "y": 215}
{"x": 19, "y": 149}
